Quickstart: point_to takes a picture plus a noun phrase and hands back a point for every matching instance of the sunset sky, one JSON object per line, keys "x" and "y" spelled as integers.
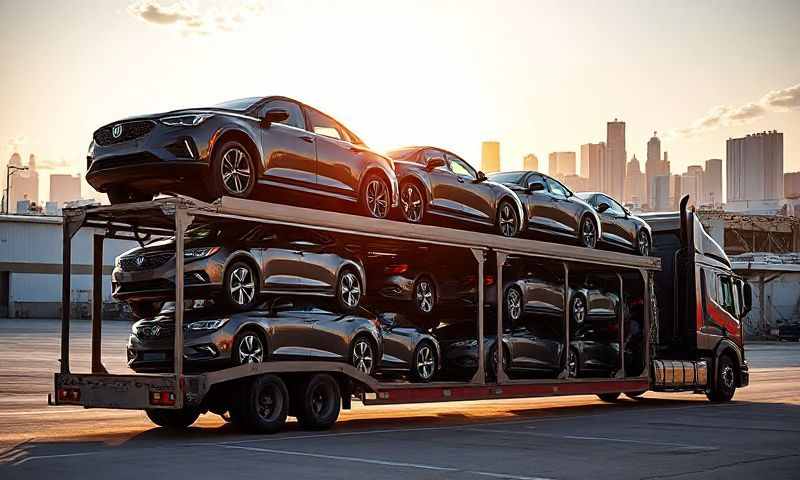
{"x": 537, "y": 76}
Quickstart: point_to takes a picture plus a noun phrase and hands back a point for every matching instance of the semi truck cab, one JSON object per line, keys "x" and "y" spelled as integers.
{"x": 698, "y": 338}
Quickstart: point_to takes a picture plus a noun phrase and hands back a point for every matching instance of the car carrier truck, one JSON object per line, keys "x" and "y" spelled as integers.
{"x": 684, "y": 303}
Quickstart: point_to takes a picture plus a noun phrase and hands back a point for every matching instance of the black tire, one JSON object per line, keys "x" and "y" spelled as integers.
{"x": 349, "y": 290}
{"x": 492, "y": 363}
{"x": 587, "y": 232}
{"x": 512, "y": 303}
{"x": 376, "y": 196}
{"x": 145, "y": 309}
{"x": 364, "y": 354}
{"x": 508, "y": 221}
{"x": 319, "y": 403}
{"x": 573, "y": 363}
{"x": 725, "y": 387}
{"x": 249, "y": 346}
{"x": 232, "y": 155}
{"x": 608, "y": 397}
{"x": 644, "y": 244}
{"x": 261, "y": 404}
{"x": 173, "y": 419}
{"x": 578, "y": 309}
{"x": 635, "y": 395}
{"x": 424, "y": 295}
{"x": 425, "y": 362}
{"x": 120, "y": 195}
{"x": 240, "y": 286}
{"x": 412, "y": 202}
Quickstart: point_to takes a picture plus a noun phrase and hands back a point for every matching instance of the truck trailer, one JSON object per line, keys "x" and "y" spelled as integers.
{"x": 684, "y": 304}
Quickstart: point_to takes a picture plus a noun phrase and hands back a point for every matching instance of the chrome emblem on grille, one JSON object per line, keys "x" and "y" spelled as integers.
{"x": 139, "y": 261}
{"x": 151, "y": 331}
{"x": 116, "y": 130}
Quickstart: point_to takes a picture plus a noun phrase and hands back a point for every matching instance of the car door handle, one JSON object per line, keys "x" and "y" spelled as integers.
{"x": 460, "y": 180}
{"x": 307, "y": 139}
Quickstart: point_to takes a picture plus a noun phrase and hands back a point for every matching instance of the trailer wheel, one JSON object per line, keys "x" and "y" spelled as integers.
{"x": 608, "y": 397}
{"x": 725, "y": 385}
{"x": 173, "y": 419}
{"x": 319, "y": 403}
{"x": 262, "y": 405}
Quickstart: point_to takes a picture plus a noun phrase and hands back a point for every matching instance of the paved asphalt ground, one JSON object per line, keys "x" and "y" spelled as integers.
{"x": 662, "y": 436}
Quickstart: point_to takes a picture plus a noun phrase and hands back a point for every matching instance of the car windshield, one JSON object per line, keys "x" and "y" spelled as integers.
{"x": 241, "y": 104}
{"x": 507, "y": 177}
{"x": 401, "y": 153}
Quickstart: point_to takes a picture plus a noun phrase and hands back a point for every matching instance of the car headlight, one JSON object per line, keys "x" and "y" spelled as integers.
{"x": 465, "y": 343}
{"x": 207, "y": 324}
{"x": 90, "y": 153}
{"x": 201, "y": 252}
{"x": 186, "y": 120}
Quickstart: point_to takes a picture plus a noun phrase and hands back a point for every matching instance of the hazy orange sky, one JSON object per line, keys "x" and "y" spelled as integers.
{"x": 537, "y": 76}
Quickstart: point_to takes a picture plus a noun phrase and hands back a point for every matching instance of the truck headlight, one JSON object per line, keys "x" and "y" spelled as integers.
{"x": 186, "y": 120}
{"x": 201, "y": 252}
{"x": 207, "y": 324}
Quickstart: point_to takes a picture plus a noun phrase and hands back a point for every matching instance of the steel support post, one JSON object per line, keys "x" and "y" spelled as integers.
{"x": 567, "y": 346}
{"x": 500, "y": 374}
{"x": 66, "y": 301}
{"x": 648, "y": 318}
{"x": 97, "y": 305}
{"x": 480, "y": 375}
{"x": 621, "y": 370}
{"x": 182, "y": 221}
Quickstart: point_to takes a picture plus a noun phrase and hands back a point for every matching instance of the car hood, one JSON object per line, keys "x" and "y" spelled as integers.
{"x": 167, "y": 245}
{"x": 182, "y": 111}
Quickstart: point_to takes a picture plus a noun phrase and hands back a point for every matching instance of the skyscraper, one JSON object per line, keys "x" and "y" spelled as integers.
{"x": 653, "y": 165}
{"x": 692, "y": 184}
{"x": 712, "y": 182}
{"x": 561, "y": 164}
{"x": 755, "y": 167}
{"x": 24, "y": 183}
{"x": 530, "y": 162}
{"x": 634, "y": 183}
{"x": 661, "y": 193}
{"x": 64, "y": 188}
{"x": 615, "y": 159}
{"x": 593, "y": 159}
{"x": 490, "y": 156}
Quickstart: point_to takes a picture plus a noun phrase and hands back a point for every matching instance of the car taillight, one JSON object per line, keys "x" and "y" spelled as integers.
{"x": 396, "y": 269}
{"x": 69, "y": 395}
{"x": 162, "y": 397}
{"x": 488, "y": 280}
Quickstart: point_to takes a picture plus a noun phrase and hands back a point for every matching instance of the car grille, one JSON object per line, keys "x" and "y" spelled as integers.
{"x": 130, "y": 131}
{"x": 145, "y": 286}
{"x": 150, "y": 261}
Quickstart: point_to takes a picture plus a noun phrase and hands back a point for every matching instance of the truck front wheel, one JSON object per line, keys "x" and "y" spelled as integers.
{"x": 725, "y": 386}
{"x": 173, "y": 419}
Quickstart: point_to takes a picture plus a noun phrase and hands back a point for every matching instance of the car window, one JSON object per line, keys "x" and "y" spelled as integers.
{"x": 614, "y": 208}
{"x": 295, "y": 114}
{"x": 324, "y": 125}
{"x": 556, "y": 188}
{"x": 508, "y": 177}
{"x": 460, "y": 167}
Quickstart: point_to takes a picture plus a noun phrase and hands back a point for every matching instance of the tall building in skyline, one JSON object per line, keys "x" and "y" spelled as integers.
{"x": 791, "y": 185}
{"x": 755, "y": 167}
{"x": 64, "y": 188}
{"x": 593, "y": 159}
{"x": 490, "y": 156}
{"x": 661, "y": 194}
{"x": 635, "y": 193}
{"x": 712, "y": 182}
{"x": 616, "y": 157}
{"x": 692, "y": 185}
{"x": 24, "y": 183}
{"x": 561, "y": 164}
{"x": 652, "y": 165}
{"x": 530, "y": 162}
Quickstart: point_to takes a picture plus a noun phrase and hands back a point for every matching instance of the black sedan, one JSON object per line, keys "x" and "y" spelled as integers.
{"x": 619, "y": 227}
{"x": 216, "y": 339}
{"x": 236, "y": 264}
{"x": 438, "y": 183}
{"x": 235, "y": 148}
{"x": 551, "y": 208}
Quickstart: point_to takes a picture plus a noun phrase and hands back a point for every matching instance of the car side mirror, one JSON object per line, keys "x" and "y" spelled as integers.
{"x": 603, "y": 207}
{"x": 748, "y": 299}
{"x": 434, "y": 163}
{"x": 388, "y": 320}
{"x": 535, "y": 187}
{"x": 274, "y": 115}
{"x": 481, "y": 177}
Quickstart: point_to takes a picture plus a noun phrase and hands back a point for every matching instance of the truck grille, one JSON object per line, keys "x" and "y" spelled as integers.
{"x": 145, "y": 261}
{"x": 128, "y": 131}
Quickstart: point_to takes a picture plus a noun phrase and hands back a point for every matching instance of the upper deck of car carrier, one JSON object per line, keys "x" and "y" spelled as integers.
{"x": 171, "y": 216}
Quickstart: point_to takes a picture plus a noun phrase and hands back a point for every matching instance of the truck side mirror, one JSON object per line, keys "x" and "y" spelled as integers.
{"x": 747, "y": 293}
{"x": 274, "y": 115}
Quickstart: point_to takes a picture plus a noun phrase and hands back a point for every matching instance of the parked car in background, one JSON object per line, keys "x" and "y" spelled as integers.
{"x": 236, "y": 148}
{"x": 789, "y": 331}
{"x": 237, "y": 264}
{"x": 272, "y": 331}
{"x": 408, "y": 349}
{"x": 437, "y": 183}
{"x": 551, "y": 208}
{"x": 619, "y": 227}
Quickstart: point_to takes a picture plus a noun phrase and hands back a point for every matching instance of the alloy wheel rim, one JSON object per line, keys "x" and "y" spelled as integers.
{"x": 377, "y": 198}
{"x": 350, "y": 290}
{"x": 578, "y": 310}
{"x": 362, "y": 356}
{"x": 514, "y": 304}
{"x": 644, "y": 244}
{"x": 425, "y": 362}
{"x": 588, "y": 233}
{"x": 242, "y": 287}
{"x": 424, "y": 296}
{"x": 411, "y": 203}
{"x": 727, "y": 376}
{"x": 251, "y": 350}
{"x": 236, "y": 174}
{"x": 268, "y": 402}
{"x": 572, "y": 364}
{"x": 508, "y": 221}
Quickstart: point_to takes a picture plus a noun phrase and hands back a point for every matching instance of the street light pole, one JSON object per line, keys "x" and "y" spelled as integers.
{"x": 10, "y": 170}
